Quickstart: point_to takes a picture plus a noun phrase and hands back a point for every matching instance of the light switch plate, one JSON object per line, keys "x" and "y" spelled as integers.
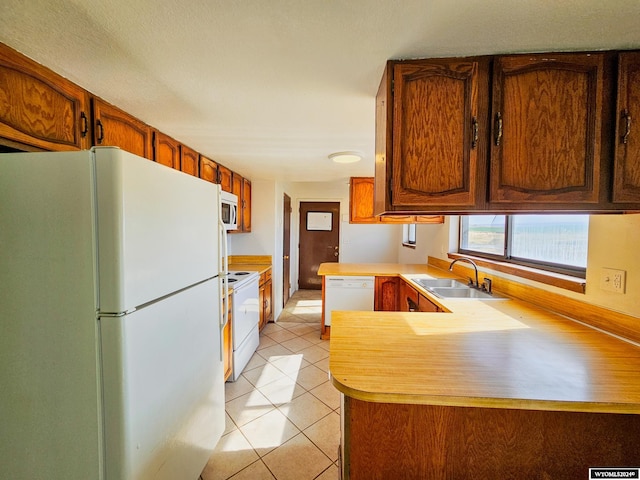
{"x": 613, "y": 280}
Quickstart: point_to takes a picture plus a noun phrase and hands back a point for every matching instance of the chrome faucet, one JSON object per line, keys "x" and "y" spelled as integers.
{"x": 475, "y": 267}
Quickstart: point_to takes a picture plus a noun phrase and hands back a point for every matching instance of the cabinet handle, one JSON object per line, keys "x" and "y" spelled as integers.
{"x": 100, "y": 131}
{"x": 498, "y": 128}
{"x": 627, "y": 117}
{"x": 85, "y": 125}
{"x": 474, "y": 130}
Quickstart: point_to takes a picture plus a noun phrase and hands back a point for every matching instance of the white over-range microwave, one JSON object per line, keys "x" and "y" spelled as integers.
{"x": 229, "y": 210}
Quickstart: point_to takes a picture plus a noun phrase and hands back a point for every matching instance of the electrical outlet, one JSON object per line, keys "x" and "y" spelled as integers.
{"x": 613, "y": 280}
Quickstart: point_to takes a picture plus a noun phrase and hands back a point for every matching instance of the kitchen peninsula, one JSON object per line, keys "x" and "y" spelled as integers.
{"x": 483, "y": 389}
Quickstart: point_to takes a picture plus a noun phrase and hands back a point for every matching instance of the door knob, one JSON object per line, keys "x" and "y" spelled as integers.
{"x": 335, "y": 254}
{"x": 286, "y": 257}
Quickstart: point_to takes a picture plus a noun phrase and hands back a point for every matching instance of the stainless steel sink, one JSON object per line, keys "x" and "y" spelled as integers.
{"x": 464, "y": 292}
{"x": 438, "y": 282}
{"x": 452, "y": 288}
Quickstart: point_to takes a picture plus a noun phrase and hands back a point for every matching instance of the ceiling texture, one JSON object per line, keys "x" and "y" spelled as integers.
{"x": 270, "y": 88}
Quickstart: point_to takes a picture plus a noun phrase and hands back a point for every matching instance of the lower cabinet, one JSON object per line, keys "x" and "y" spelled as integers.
{"x": 386, "y": 294}
{"x": 265, "y": 295}
{"x": 227, "y": 345}
{"x": 393, "y": 294}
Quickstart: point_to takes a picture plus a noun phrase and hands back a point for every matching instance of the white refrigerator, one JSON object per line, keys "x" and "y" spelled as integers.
{"x": 110, "y": 318}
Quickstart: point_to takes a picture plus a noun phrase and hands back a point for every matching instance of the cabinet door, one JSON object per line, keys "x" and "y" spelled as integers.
{"x": 387, "y": 294}
{"x": 408, "y": 298}
{"x": 166, "y": 150}
{"x": 261, "y": 302}
{"x": 236, "y": 189}
{"x": 547, "y": 120}
{"x": 224, "y": 174}
{"x": 426, "y": 305}
{"x": 39, "y": 108}
{"x": 626, "y": 177}
{"x": 268, "y": 300}
{"x": 114, "y": 128}
{"x": 361, "y": 200}
{"x": 246, "y": 205}
{"x": 189, "y": 160}
{"x": 208, "y": 170}
{"x": 439, "y": 134}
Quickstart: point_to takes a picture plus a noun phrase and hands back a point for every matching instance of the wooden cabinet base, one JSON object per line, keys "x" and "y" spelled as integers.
{"x": 382, "y": 441}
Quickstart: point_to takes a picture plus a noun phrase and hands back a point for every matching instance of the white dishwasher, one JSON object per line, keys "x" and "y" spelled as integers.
{"x": 347, "y": 293}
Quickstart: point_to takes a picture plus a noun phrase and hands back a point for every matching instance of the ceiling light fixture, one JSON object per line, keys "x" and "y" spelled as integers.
{"x": 346, "y": 157}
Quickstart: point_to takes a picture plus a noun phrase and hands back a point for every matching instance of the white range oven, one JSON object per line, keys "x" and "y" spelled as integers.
{"x": 245, "y": 317}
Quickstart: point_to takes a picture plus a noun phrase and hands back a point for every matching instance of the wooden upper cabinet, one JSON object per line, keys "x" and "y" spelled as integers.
{"x": 38, "y": 108}
{"x": 546, "y": 138}
{"x": 361, "y": 192}
{"x": 246, "y": 205}
{"x": 166, "y": 150}
{"x": 208, "y": 170}
{"x": 224, "y": 174}
{"x": 435, "y": 156}
{"x": 626, "y": 176}
{"x": 189, "y": 160}
{"x": 236, "y": 189}
{"x": 115, "y": 128}
{"x": 361, "y": 200}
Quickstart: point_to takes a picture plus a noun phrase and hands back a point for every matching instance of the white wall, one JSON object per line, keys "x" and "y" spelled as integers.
{"x": 358, "y": 243}
{"x": 613, "y": 243}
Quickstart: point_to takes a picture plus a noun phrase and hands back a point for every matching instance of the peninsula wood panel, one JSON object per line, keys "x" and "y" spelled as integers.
{"x": 429, "y": 442}
{"x": 113, "y": 127}
{"x": 40, "y": 109}
{"x": 626, "y": 186}
{"x": 166, "y": 150}
{"x": 546, "y": 138}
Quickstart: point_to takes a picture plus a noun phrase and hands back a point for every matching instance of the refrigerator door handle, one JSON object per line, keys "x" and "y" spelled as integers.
{"x": 224, "y": 296}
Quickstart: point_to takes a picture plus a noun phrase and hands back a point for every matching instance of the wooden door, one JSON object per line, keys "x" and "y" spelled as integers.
{"x": 439, "y": 133}
{"x": 189, "y": 160}
{"x": 319, "y": 240}
{"x": 113, "y": 127}
{"x": 286, "y": 248}
{"x": 208, "y": 170}
{"x": 626, "y": 175}
{"x": 166, "y": 150}
{"x": 547, "y": 114}
{"x": 246, "y": 205}
{"x": 40, "y": 109}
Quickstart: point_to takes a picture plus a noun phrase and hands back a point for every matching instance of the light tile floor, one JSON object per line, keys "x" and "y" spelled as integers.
{"x": 283, "y": 414}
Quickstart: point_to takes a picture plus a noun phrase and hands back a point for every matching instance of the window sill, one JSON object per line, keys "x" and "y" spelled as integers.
{"x": 409, "y": 245}
{"x": 549, "y": 278}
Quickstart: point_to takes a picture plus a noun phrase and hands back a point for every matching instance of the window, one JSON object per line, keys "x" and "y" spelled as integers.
{"x": 409, "y": 235}
{"x": 552, "y": 242}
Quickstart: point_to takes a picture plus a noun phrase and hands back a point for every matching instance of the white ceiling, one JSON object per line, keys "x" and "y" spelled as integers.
{"x": 271, "y": 87}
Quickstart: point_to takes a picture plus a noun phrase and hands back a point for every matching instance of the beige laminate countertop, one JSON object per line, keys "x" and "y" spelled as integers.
{"x": 249, "y": 267}
{"x": 483, "y": 353}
